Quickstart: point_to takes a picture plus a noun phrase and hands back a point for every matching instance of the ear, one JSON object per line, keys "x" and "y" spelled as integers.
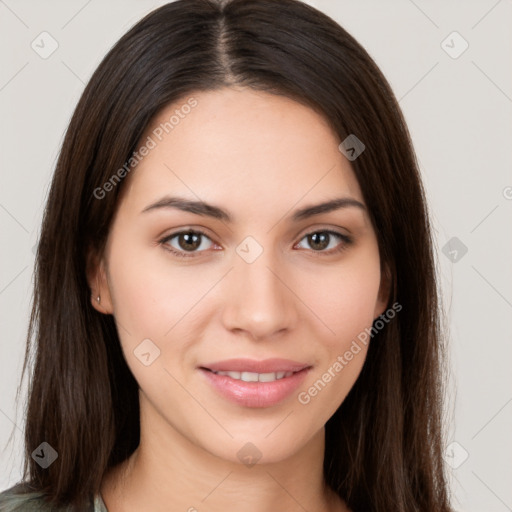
{"x": 384, "y": 292}
{"x": 97, "y": 277}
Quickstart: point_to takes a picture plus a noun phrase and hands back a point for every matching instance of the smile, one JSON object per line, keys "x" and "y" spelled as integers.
{"x": 252, "y": 389}
{"x": 256, "y": 377}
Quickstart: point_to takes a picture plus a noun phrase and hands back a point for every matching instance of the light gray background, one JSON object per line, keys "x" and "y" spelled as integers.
{"x": 459, "y": 114}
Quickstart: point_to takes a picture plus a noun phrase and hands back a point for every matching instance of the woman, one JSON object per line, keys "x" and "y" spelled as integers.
{"x": 235, "y": 296}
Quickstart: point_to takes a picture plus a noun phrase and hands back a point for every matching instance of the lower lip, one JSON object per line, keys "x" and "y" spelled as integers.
{"x": 255, "y": 394}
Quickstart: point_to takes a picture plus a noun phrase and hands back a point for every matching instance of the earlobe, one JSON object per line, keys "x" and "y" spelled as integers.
{"x": 98, "y": 283}
{"x": 96, "y": 301}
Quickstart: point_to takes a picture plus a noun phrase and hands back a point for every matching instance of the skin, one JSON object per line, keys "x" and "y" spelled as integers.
{"x": 260, "y": 157}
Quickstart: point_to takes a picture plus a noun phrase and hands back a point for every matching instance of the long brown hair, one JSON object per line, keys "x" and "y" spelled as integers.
{"x": 384, "y": 443}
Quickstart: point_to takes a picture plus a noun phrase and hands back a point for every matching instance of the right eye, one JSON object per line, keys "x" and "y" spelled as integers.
{"x": 188, "y": 242}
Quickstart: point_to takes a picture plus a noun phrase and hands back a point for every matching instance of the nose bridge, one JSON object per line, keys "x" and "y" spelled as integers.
{"x": 257, "y": 300}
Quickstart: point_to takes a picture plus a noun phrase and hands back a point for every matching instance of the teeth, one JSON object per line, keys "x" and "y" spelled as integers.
{"x": 256, "y": 377}
{"x": 249, "y": 377}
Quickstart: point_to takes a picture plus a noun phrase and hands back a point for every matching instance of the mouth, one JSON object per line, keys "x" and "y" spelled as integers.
{"x": 252, "y": 383}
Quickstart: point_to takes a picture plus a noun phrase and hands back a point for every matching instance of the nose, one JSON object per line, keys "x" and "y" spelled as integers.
{"x": 258, "y": 298}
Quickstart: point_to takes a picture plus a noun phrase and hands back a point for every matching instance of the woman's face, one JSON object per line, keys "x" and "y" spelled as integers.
{"x": 258, "y": 282}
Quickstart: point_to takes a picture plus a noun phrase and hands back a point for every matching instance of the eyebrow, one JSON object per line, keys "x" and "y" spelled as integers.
{"x": 210, "y": 210}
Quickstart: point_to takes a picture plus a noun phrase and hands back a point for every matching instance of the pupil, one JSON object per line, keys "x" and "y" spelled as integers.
{"x": 191, "y": 241}
{"x": 322, "y": 239}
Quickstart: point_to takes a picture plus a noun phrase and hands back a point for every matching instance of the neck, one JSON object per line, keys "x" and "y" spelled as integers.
{"x": 169, "y": 472}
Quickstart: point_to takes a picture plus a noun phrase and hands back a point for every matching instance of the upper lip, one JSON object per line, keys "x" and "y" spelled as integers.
{"x": 255, "y": 366}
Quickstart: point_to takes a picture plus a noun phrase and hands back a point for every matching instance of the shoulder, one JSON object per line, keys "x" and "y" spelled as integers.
{"x": 21, "y": 498}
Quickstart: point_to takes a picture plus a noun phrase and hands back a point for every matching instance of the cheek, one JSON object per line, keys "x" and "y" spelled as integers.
{"x": 151, "y": 294}
{"x": 344, "y": 297}
{"x": 346, "y": 308}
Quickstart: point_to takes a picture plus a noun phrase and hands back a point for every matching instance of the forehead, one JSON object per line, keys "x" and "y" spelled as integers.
{"x": 242, "y": 147}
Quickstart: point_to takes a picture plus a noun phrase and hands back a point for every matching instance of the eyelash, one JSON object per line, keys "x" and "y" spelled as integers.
{"x": 347, "y": 241}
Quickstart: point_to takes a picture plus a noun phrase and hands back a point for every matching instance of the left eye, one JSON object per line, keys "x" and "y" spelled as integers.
{"x": 191, "y": 242}
{"x": 322, "y": 240}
